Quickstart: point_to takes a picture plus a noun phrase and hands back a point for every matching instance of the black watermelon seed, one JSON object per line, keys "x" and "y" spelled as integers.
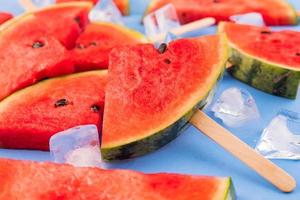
{"x": 61, "y": 102}
{"x": 265, "y": 32}
{"x": 297, "y": 54}
{"x": 93, "y": 44}
{"x": 78, "y": 20}
{"x": 167, "y": 61}
{"x": 162, "y": 48}
{"x": 95, "y": 108}
{"x": 216, "y": 1}
{"x": 37, "y": 45}
{"x": 44, "y": 78}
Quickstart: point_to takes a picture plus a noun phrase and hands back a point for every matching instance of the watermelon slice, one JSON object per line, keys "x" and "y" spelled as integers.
{"x": 265, "y": 59}
{"x": 152, "y": 93}
{"x": 41, "y": 36}
{"x": 94, "y": 45}
{"x": 29, "y": 117}
{"x": 275, "y": 12}
{"x": 123, "y": 5}
{"x": 4, "y": 16}
{"x": 49, "y": 181}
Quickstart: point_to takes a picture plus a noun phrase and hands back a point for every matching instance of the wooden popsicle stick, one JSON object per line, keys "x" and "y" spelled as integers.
{"x": 202, "y": 23}
{"x": 27, "y": 5}
{"x": 271, "y": 172}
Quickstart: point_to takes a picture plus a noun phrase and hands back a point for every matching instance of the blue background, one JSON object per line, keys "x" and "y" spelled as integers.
{"x": 192, "y": 152}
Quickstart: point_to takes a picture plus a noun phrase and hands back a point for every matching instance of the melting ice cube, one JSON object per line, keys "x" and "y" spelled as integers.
{"x": 161, "y": 21}
{"x": 281, "y": 139}
{"x": 170, "y": 37}
{"x": 78, "y": 146}
{"x": 235, "y": 107}
{"x": 252, "y": 18}
{"x": 106, "y": 10}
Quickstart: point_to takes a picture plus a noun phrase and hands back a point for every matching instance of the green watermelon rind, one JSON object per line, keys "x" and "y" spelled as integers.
{"x": 270, "y": 77}
{"x": 161, "y": 138}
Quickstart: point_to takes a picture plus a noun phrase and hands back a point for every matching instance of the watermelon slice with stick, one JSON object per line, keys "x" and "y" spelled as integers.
{"x": 44, "y": 36}
{"x": 4, "y": 16}
{"x": 274, "y": 12}
{"x": 152, "y": 93}
{"x": 48, "y": 181}
{"x": 123, "y": 5}
{"x": 95, "y": 43}
{"x": 29, "y": 117}
{"x": 265, "y": 59}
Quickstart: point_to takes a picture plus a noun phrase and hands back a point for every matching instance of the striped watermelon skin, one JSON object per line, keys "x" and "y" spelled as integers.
{"x": 265, "y": 59}
{"x": 29, "y": 180}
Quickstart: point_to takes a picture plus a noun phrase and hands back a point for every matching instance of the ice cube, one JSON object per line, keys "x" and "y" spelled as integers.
{"x": 235, "y": 107}
{"x": 170, "y": 37}
{"x": 106, "y": 10}
{"x": 78, "y": 146}
{"x": 252, "y": 18}
{"x": 161, "y": 21}
{"x": 281, "y": 139}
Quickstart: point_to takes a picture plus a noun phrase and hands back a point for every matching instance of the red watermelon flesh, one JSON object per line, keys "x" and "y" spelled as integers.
{"x": 275, "y": 12}
{"x": 29, "y": 117}
{"x": 94, "y": 45}
{"x": 64, "y": 21}
{"x": 31, "y": 49}
{"x": 123, "y": 5}
{"x": 4, "y": 17}
{"x": 48, "y": 181}
{"x": 262, "y": 42}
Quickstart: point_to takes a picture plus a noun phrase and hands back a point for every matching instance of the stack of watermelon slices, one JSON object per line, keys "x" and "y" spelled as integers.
{"x": 137, "y": 75}
{"x": 150, "y": 96}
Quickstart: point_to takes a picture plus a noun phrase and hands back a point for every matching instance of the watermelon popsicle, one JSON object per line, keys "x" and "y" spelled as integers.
{"x": 275, "y": 12}
{"x": 153, "y": 108}
{"x": 48, "y": 181}
{"x": 265, "y": 59}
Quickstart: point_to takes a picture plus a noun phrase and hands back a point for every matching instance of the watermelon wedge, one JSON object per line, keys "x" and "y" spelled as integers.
{"x": 265, "y": 59}
{"x": 123, "y": 5}
{"x": 152, "y": 93}
{"x": 95, "y": 43}
{"x": 275, "y": 12}
{"x": 4, "y": 16}
{"x": 43, "y": 36}
{"x": 49, "y": 181}
{"x": 29, "y": 117}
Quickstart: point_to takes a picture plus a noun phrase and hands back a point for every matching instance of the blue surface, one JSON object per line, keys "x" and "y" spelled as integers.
{"x": 192, "y": 152}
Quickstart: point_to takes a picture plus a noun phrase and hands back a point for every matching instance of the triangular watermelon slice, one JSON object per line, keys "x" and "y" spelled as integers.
{"x": 4, "y": 16}
{"x": 267, "y": 60}
{"x": 95, "y": 43}
{"x": 48, "y": 181}
{"x": 29, "y": 117}
{"x": 152, "y": 93}
{"x": 275, "y": 12}
{"x": 123, "y": 5}
{"x": 31, "y": 45}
